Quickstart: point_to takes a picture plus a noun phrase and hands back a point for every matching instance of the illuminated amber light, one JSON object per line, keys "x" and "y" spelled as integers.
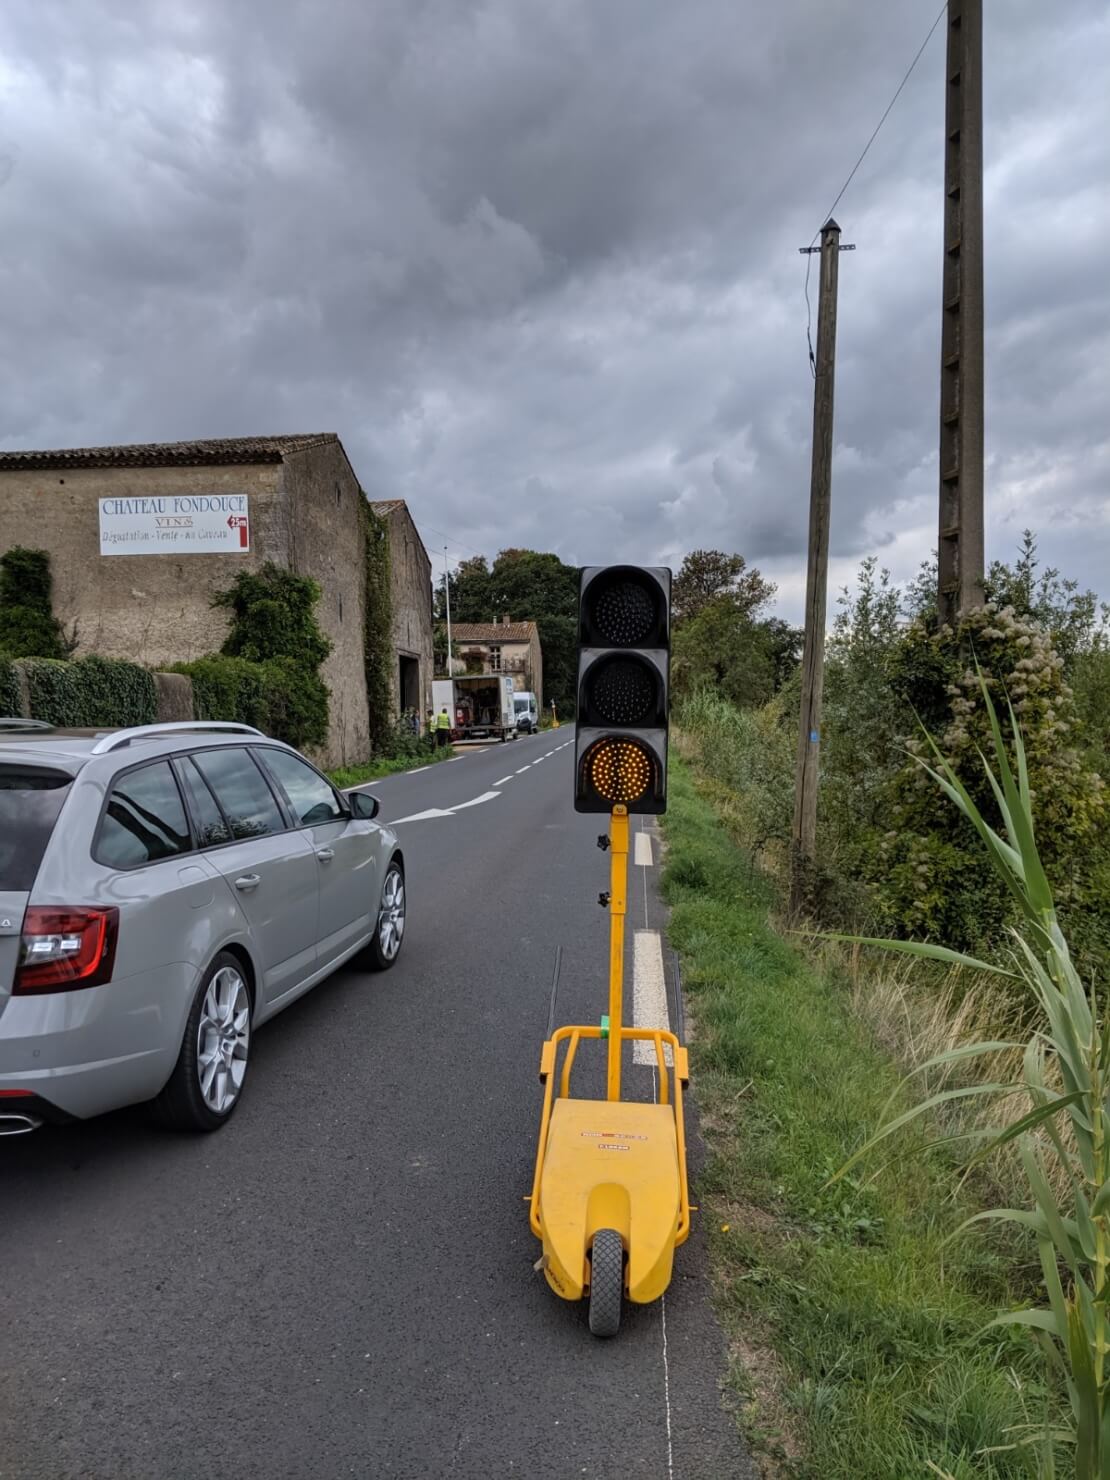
{"x": 620, "y": 771}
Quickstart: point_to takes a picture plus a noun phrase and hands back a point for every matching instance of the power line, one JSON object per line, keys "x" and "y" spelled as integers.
{"x": 451, "y": 538}
{"x": 852, "y": 175}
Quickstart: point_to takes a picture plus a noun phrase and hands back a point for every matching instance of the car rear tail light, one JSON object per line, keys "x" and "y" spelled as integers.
{"x": 65, "y": 949}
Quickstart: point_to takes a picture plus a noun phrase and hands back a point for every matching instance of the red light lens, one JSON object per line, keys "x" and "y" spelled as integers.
{"x": 65, "y": 949}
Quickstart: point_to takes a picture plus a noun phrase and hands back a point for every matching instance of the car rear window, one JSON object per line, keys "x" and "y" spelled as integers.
{"x": 30, "y": 800}
{"x": 144, "y": 820}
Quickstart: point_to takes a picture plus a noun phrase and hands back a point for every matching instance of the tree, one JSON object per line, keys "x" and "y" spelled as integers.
{"x": 470, "y": 593}
{"x": 1070, "y": 617}
{"x": 534, "y": 586}
{"x": 710, "y": 575}
{"x": 723, "y": 649}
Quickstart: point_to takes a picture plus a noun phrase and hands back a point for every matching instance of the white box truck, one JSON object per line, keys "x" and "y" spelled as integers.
{"x": 480, "y": 705}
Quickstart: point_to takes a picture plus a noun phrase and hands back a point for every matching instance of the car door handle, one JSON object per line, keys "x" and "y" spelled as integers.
{"x": 325, "y": 855}
{"x": 247, "y": 882}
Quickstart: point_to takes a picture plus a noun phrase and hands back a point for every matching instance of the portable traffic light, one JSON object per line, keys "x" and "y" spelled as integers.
{"x": 624, "y": 641}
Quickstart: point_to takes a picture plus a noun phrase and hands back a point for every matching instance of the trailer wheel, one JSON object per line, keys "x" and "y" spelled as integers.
{"x": 606, "y": 1282}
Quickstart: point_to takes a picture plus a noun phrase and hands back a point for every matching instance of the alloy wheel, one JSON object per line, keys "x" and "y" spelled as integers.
{"x": 223, "y": 1040}
{"x": 391, "y": 920}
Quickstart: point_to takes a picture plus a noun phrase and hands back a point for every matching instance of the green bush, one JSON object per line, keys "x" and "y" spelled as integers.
{"x": 273, "y": 615}
{"x": 90, "y": 693}
{"x": 751, "y": 752}
{"x": 279, "y": 697}
{"x": 28, "y": 626}
{"x": 297, "y": 702}
{"x": 10, "y": 700}
{"x": 268, "y": 671}
{"x": 929, "y": 880}
{"x": 228, "y": 689}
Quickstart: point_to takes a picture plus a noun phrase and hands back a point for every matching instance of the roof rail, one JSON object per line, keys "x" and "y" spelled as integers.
{"x": 13, "y": 722}
{"x": 119, "y": 738}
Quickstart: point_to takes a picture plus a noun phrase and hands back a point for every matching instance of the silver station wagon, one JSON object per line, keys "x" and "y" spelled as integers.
{"x": 163, "y": 891}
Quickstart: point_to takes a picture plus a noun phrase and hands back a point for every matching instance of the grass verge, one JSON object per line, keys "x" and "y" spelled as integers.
{"x": 857, "y": 1334}
{"x": 386, "y": 765}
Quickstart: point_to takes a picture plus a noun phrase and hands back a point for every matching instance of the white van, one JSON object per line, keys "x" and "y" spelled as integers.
{"x": 527, "y": 712}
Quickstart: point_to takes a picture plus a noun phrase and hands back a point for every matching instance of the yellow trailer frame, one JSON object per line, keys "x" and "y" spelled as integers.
{"x": 611, "y": 1164}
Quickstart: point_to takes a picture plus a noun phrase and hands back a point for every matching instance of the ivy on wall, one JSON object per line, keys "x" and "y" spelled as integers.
{"x": 28, "y": 626}
{"x": 267, "y": 673}
{"x": 377, "y": 640}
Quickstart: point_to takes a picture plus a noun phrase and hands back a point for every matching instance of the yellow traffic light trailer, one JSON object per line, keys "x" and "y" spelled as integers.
{"x": 610, "y": 1201}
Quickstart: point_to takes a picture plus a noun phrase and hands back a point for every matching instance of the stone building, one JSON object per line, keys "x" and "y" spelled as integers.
{"x": 141, "y": 538}
{"x": 502, "y": 647}
{"x": 410, "y": 576}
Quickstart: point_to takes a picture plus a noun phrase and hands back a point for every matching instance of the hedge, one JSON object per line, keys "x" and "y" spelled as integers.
{"x": 89, "y": 693}
{"x": 280, "y": 696}
{"x": 9, "y": 689}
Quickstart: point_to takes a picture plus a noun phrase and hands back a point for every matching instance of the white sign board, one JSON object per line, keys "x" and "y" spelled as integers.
{"x": 176, "y": 524}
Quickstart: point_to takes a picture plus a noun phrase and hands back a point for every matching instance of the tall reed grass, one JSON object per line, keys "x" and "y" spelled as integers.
{"x": 1063, "y": 1137}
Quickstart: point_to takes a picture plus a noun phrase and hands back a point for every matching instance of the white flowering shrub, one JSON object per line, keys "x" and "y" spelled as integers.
{"x": 928, "y": 880}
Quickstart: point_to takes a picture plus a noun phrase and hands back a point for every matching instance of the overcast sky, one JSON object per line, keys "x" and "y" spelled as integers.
{"x": 536, "y": 261}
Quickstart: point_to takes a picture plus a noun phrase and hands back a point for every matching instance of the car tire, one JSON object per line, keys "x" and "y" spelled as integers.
{"x": 207, "y": 1081}
{"x": 389, "y": 931}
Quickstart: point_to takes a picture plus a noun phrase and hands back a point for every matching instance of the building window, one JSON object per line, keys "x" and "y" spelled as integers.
{"x": 495, "y": 660}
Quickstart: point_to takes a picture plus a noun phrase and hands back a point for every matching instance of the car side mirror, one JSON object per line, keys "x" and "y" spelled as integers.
{"x": 364, "y": 806}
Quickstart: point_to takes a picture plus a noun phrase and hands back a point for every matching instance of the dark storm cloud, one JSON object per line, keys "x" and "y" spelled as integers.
{"x": 537, "y": 264}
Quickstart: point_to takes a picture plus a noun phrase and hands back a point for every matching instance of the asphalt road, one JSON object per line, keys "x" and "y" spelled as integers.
{"x": 341, "y": 1282}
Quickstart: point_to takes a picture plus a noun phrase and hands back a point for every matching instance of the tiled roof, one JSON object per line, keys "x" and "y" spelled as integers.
{"x": 492, "y": 631}
{"x": 162, "y": 454}
{"x": 383, "y": 506}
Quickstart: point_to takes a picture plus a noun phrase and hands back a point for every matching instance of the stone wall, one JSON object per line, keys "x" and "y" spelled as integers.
{"x": 411, "y": 597}
{"x": 153, "y": 609}
{"x": 326, "y": 543}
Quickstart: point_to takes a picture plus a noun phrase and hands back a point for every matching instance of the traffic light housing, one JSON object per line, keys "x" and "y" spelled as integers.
{"x": 624, "y": 649}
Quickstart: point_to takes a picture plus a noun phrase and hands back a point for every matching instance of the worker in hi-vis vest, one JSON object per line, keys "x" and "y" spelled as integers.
{"x": 443, "y": 726}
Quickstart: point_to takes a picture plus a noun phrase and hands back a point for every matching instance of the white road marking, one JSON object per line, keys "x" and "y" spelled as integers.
{"x": 523, "y": 769}
{"x": 643, "y": 850}
{"x": 487, "y": 796}
{"x": 503, "y": 781}
{"x": 667, "y": 1392}
{"x": 417, "y": 817}
{"x": 649, "y": 993}
{"x": 417, "y": 770}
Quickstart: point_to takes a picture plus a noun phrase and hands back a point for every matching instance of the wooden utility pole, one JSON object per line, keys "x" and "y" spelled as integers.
{"x": 960, "y": 546}
{"x": 804, "y": 841}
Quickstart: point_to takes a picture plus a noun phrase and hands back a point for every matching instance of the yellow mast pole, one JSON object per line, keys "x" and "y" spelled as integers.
{"x": 618, "y": 907}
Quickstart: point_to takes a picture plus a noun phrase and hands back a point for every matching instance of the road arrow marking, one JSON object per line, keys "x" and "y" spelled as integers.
{"x": 487, "y": 796}
{"x": 418, "y": 816}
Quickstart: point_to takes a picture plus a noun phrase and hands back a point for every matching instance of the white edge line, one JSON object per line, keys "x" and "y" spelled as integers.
{"x": 649, "y": 993}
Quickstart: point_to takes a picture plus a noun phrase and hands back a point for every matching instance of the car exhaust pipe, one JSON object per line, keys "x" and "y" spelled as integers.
{"x": 18, "y": 1124}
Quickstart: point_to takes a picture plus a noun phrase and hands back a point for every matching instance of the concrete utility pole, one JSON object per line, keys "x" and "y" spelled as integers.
{"x": 960, "y": 546}
{"x": 804, "y": 839}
